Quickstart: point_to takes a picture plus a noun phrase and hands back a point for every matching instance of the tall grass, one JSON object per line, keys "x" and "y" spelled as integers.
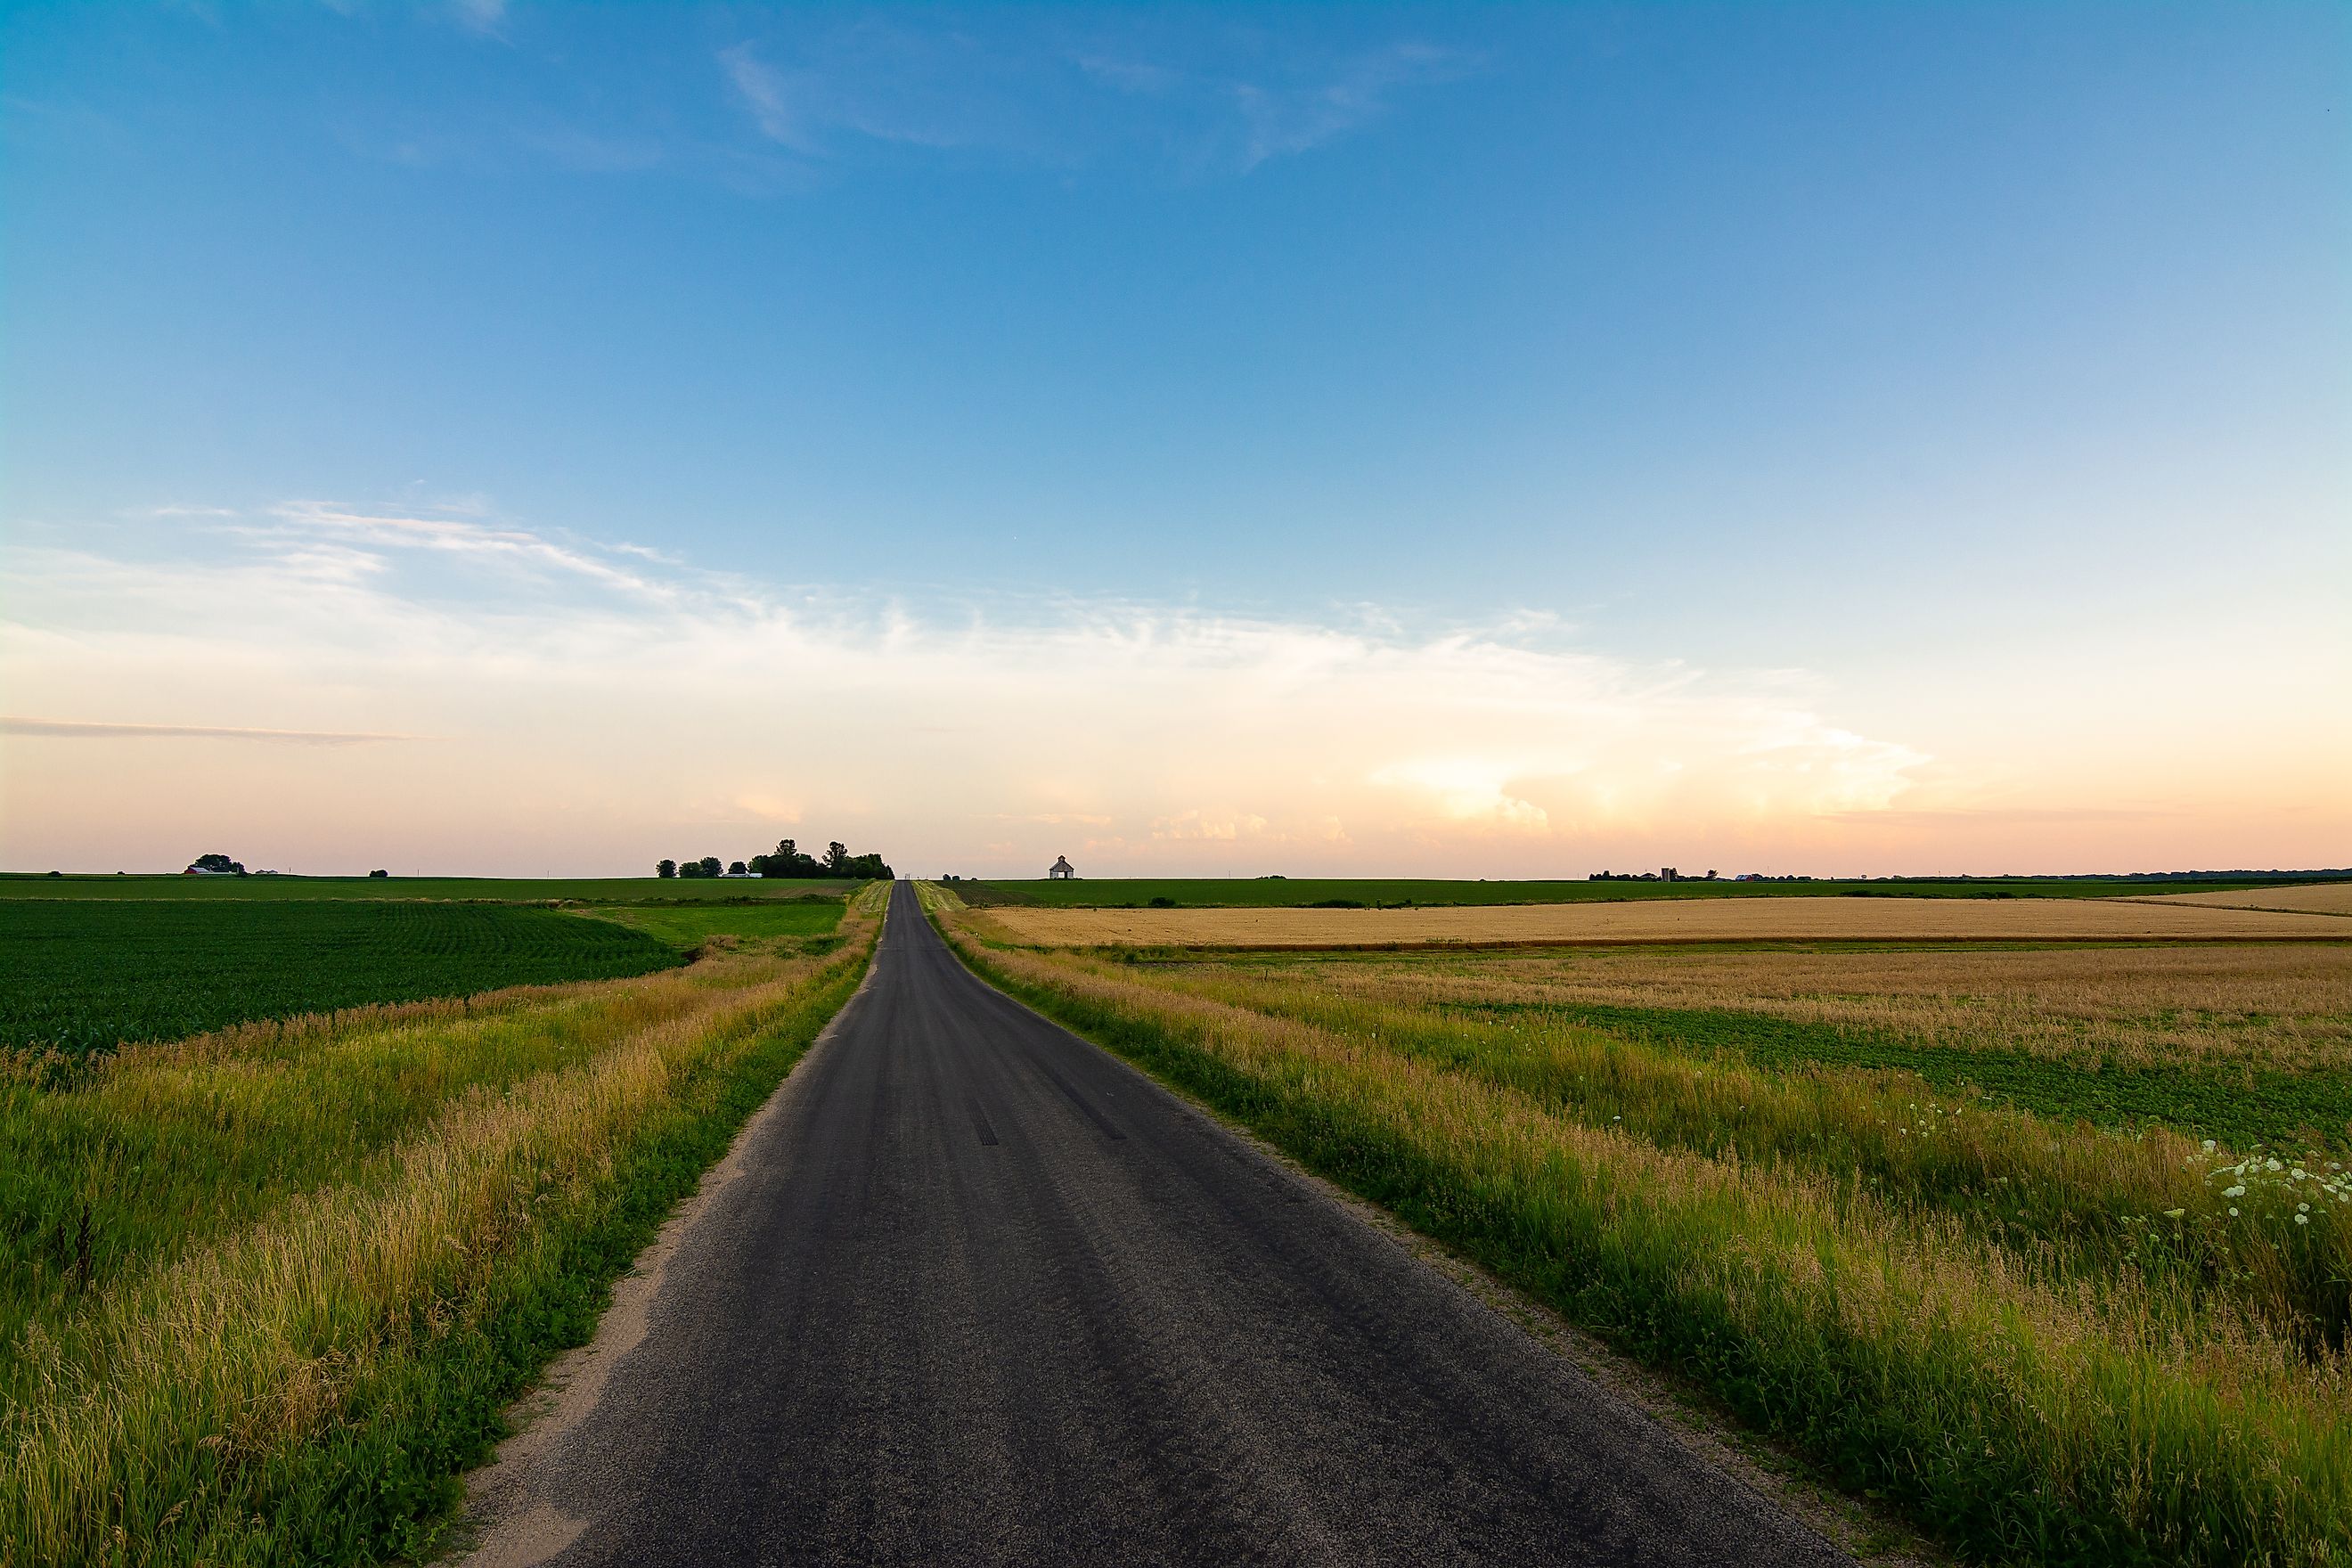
{"x": 2023, "y": 1409}
{"x": 299, "y": 1374}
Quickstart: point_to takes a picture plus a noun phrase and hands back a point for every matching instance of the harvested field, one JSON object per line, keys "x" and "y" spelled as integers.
{"x": 2284, "y": 1006}
{"x": 1723, "y": 920}
{"x": 2317, "y": 898}
{"x": 1392, "y": 892}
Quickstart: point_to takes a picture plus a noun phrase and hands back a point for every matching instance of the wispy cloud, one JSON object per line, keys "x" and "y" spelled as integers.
{"x": 797, "y": 101}
{"x": 1212, "y": 101}
{"x": 76, "y": 730}
{"x": 484, "y": 16}
{"x": 345, "y": 541}
{"x": 1285, "y": 120}
{"x": 767, "y": 95}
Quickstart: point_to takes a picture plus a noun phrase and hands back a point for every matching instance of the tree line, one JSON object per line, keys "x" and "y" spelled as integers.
{"x": 789, "y": 860}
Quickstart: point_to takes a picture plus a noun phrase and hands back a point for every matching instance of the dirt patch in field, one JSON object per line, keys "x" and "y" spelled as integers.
{"x": 1759, "y": 919}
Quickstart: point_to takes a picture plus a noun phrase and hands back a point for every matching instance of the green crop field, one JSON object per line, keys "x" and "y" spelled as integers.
{"x": 82, "y": 976}
{"x": 494, "y": 889}
{"x": 1310, "y": 892}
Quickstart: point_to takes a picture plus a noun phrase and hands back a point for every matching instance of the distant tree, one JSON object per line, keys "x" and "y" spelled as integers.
{"x": 710, "y": 866}
{"x": 836, "y": 858}
{"x": 787, "y": 861}
{"x": 666, "y": 868}
{"x": 372, "y": 875}
{"x": 219, "y": 863}
{"x": 738, "y": 869}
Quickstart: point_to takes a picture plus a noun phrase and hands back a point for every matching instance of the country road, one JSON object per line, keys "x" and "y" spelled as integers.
{"x": 971, "y": 1290}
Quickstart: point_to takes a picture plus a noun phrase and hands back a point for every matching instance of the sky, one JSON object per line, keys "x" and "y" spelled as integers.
{"x": 516, "y": 439}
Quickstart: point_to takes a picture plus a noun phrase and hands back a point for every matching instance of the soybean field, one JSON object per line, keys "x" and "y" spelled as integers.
{"x": 82, "y": 976}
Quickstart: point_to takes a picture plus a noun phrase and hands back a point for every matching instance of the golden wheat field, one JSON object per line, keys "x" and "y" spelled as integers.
{"x": 1676, "y": 921}
{"x": 2319, "y": 898}
{"x": 2286, "y": 1006}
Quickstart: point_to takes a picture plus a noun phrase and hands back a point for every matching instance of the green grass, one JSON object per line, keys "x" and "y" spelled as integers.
{"x": 86, "y": 976}
{"x": 1276, "y": 892}
{"x": 2242, "y": 1106}
{"x": 495, "y": 890}
{"x": 688, "y": 926}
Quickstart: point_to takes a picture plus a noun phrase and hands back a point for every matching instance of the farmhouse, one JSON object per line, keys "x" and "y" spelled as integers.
{"x": 1061, "y": 870}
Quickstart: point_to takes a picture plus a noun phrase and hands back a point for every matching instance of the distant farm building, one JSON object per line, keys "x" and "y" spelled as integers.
{"x": 1061, "y": 870}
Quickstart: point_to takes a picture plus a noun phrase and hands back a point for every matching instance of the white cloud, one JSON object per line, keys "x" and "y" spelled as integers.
{"x": 1207, "y": 100}
{"x": 593, "y": 700}
{"x": 764, "y": 92}
{"x": 1297, "y": 118}
{"x": 484, "y": 16}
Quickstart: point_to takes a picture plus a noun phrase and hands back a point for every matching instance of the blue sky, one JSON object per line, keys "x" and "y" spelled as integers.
{"x": 1961, "y": 370}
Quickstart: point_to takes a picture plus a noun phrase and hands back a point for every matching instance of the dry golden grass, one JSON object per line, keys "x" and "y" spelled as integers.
{"x": 2319, "y": 899}
{"x": 2285, "y": 1006}
{"x": 1660, "y": 921}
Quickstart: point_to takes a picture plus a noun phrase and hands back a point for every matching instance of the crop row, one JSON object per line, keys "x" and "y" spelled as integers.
{"x": 89, "y": 976}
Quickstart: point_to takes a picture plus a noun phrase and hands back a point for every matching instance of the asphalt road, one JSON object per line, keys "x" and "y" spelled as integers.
{"x": 971, "y": 1290}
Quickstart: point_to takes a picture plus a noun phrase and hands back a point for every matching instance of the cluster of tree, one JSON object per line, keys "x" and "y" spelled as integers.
{"x": 1667, "y": 874}
{"x": 220, "y": 865}
{"x": 789, "y": 860}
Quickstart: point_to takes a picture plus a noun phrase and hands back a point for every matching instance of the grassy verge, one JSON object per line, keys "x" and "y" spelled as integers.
{"x": 2020, "y": 1404}
{"x": 305, "y": 1379}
